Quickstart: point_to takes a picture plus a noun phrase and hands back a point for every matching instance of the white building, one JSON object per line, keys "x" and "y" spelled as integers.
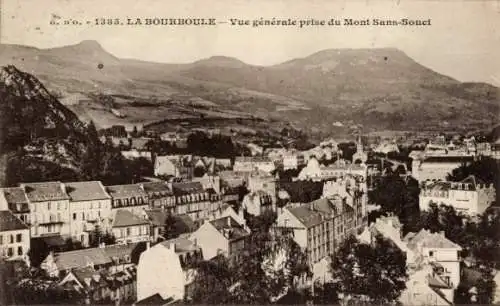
{"x": 221, "y": 236}
{"x": 168, "y": 269}
{"x": 433, "y": 262}
{"x": 249, "y": 164}
{"x": 315, "y": 171}
{"x": 89, "y": 206}
{"x": 49, "y": 208}
{"x": 470, "y": 196}
{"x": 436, "y": 167}
{"x": 257, "y": 202}
{"x": 128, "y": 227}
{"x": 14, "y": 237}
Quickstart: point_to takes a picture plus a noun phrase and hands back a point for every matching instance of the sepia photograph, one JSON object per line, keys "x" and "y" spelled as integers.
{"x": 249, "y": 152}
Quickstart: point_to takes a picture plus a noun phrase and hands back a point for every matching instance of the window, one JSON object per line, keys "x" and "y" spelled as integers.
{"x": 83, "y": 216}
{"x": 431, "y": 253}
{"x": 11, "y": 238}
{"x": 48, "y": 205}
{"x": 128, "y": 231}
{"x": 1, "y": 239}
{"x": 20, "y": 250}
{"x": 74, "y": 216}
{"x": 10, "y": 252}
{"x": 19, "y": 238}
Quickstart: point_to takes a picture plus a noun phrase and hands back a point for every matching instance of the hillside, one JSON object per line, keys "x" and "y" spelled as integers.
{"x": 39, "y": 136}
{"x": 376, "y": 88}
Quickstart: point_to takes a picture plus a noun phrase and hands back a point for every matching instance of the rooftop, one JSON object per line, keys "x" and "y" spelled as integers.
{"x": 230, "y": 228}
{"x": 46, "y": 191}
{"x": 187, "y": 188}
{"x": 95, "y": 256}
{"x": 160, "y": 187}
{"x": 124, "y": 218}
{"x": 126, "y": 191}
{"x": 9, "y": 222}
{"x": 182, "y": 245}
{"x": 86, "y": 191}
{"x": 15, "y": 195}
{"x": 429, "y": 240}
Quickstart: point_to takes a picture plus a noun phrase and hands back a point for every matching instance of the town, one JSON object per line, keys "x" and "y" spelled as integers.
{"x": 409, "y": 218}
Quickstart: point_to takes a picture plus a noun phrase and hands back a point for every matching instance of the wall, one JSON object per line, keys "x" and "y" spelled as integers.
{"x": 40, "y": 213}
{"x": 24, "y": 243}
{"x": 210, "y": 241}
{"x": 137, "y": 233}
{"x": 83, "y": 211}
{"x": 159, "y": 271}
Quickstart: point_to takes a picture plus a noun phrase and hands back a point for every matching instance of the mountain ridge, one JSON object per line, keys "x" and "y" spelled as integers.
{"x": 359, "y": 85}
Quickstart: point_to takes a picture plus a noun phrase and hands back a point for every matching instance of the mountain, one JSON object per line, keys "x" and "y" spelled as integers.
{"x": 373, "y": 88}
{"x": 38, "y": 135}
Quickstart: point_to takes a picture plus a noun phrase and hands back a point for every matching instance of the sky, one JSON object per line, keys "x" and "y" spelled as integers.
{"x": 463, "y": 40}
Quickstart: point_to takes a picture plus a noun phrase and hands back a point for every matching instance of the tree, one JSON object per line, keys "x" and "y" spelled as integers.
{"x": 96, "y": 236}
{"x": 169, "y": 230}
{"x": 212, "y": 282}
{"x": 374, "y": 273}
{"x": 199, "y": 171}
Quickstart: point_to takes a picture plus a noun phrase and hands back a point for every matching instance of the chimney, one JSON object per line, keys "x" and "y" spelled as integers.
{"x": 102, "y": 245}
{"x": 228, "y": 221}
{"x": 148, "y": 244}
{"x": 195, "y": 241}
{"x": 141, "y": 186}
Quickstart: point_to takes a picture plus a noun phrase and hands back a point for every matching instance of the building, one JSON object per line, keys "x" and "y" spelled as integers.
{"x": 257, "y": 202}
{"x": 433, "y": 262}
{"x": 17, "y": 203}
{"x": 353, "y": 191}
{"x": 89, "y": 207}
{"x": 437, "y": 167}
{"x": 209, "y": 182}
{"x": 470, "y": 196}
{"x": 193, "y": 200}
{"x": 261, "y": 181}
{"x": 49, "y": 209}
{"x": 128, "y": 227}
{"x": 438, "y": 259}
{"x": 131, "y": 197}
{"x": 221, "y": 236}
{"x": 319, "y": 227}
{"x": 172, "y": 165}
{"x": 249, "y": 164}
{"x": 133, "y": 154}
{"x": 14, "y": 237}
{"x": 316, "y": 171}
{"x": 168, "y": 269}
{"x": 359, "y": 156}
{"x": 160, "y": 195}
{"x": 102, "y": 286}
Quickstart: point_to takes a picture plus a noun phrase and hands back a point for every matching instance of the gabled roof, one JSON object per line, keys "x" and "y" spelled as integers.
{"x": 9, "y": 222}
{"x": 126, "y": 191}
{"x": 156, "y": 300}
{"x": 81, "y": 258}
{"x": 86, "y": 191}
{"x": 124, "y": 218}
{"x": 15, "y": 195}
{"x": 429, "y": 240}
{"x": 230, "y": 228}
{"x": 96, "y": 256}
{"x": 46, "y": 191}
{"x": 306, "y": 216}
{"x": 182, "y": 245}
